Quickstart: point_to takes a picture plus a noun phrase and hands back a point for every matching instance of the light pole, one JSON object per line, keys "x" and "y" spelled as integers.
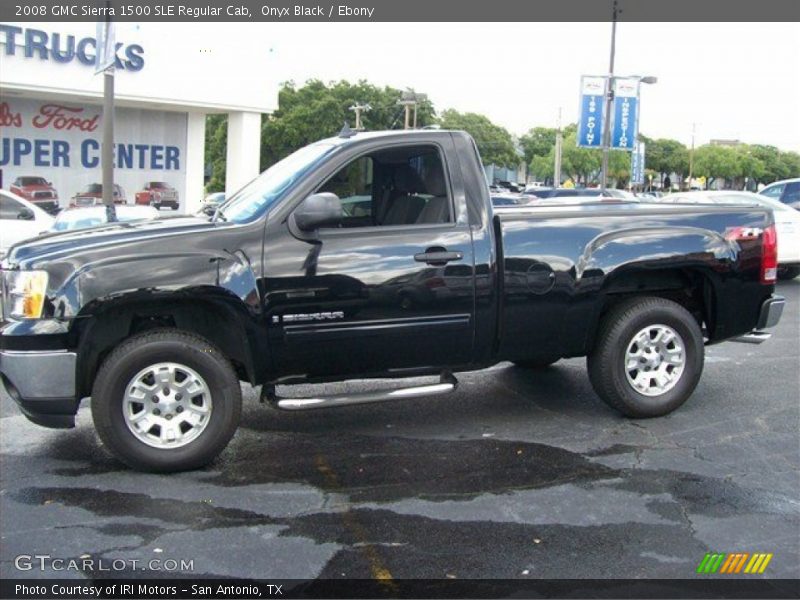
{"x": 610, "y": 79}
{"x": 609, "y": 100}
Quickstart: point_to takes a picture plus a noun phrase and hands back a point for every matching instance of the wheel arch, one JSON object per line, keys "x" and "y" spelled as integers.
{"x": 218, "y": 317}
{"x": 694, "y": 288}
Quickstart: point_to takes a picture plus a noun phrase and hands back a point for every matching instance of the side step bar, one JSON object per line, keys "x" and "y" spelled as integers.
{"x": 447, "y": 383}
{"x": 754, "y": 337}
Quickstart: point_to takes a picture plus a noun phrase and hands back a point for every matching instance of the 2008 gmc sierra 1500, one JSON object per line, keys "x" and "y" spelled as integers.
{"x": 369, "y": 255}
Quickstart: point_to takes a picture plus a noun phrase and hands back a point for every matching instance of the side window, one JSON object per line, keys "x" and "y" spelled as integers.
{"x": 792, "y": 193}
{"x": 353, "y": 185}
{"x": 9, "y": 208}
{"x": 773, "y": 191}
{"x": 393, "y": 187}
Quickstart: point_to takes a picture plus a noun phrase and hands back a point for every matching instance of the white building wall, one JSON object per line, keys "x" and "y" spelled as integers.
{"x": 195, "y": 161}
{"x": 244, "y": 149}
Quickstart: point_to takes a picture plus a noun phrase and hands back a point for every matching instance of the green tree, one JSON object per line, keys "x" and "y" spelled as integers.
{"x": 579, "y": 163}
{"x": 494, "y": 142}
{"x": 666, "y": 156}
{"x": 541, "y": 167}
{"x": 318, "y": 110}
{"x": 216, "y": 144}
{"x": 714, "y": 162}
{"x": 539, "y": 141}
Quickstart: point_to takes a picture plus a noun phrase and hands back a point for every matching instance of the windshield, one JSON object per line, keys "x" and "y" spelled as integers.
{"x": 94, "y": 188}
{"x": 262, "y": 192}
{"x": 32, "y": 181}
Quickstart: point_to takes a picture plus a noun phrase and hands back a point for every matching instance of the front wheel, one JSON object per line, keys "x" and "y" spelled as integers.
{"x": 786, "y": 273}
{"x": 166, "y": 400}
{"x": 648, "y": 357}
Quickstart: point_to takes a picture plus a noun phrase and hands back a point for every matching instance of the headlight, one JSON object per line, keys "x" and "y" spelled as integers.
{"x": 23, "y": 294}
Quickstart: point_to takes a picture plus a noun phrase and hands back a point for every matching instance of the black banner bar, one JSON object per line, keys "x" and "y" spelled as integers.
{"x": 207, "y": 589}
{"x": 405, "y": 10}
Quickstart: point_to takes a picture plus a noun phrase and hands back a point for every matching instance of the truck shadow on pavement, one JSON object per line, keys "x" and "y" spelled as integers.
{"x": 303, "y": 496}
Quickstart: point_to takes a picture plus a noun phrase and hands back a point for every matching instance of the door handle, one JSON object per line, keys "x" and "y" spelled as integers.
{"x": 438, "y": 257}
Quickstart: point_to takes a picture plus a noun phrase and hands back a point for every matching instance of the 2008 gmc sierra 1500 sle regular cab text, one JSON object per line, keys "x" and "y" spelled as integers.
{"x": 363, "y": 256}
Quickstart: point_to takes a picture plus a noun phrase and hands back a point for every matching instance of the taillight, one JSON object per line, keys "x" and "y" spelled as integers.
{"x": 769, "y": 255}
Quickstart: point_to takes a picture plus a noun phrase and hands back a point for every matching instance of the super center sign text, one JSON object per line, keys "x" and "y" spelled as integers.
{"x": 60, "y": 142}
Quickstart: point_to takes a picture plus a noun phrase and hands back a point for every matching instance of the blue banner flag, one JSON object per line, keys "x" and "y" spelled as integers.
{"x": 625, "y": 113}
{"x": 590, "y": 122}
{"x": 637, "y": 164}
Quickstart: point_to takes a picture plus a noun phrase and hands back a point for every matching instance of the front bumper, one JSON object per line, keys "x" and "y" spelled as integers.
{"x": 771, "y": 311}
{"x": 42, "y": 383}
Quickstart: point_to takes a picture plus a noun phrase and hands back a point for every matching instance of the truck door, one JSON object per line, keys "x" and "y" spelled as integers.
{"x": 392, "y": 288}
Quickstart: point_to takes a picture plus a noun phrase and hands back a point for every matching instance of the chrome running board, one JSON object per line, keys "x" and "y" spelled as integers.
{"x": 754, "y": 337}
{"x": 447, "y": 383}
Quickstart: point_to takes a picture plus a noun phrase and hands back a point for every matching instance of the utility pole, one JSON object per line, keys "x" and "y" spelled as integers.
{"x": 105, "y": 58}
{"x": 410, "y": 99}
{"x": 358, "y": 109}
{"x": 609, "y": 100}
{"x": 559, "y": 142}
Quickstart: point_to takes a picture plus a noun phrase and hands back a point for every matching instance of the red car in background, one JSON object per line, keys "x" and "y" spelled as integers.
{"x": 158, "y": 194}
{"x": 37, "y": 190}
{"x": 92, "y": 195}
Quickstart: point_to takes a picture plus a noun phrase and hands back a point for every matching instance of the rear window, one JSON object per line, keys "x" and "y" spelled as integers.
{"x": 32, "y": 181}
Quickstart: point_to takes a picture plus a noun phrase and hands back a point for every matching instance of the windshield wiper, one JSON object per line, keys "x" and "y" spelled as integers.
{"x": 218, "y": 215}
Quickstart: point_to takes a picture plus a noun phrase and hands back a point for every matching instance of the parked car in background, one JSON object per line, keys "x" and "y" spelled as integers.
{"x": 537, "y": 190}
{"x": 92, "y": 216}
{"x": 37, "y": 190}
{"x": 511, "y": 187}
{"x": 510, "y": 200}
{"x": 787, "y": 221}
{"x": 92, "y": 195}
{"x": 20, "y": 219}
{"x": 583, "y": 192}
{"x": 158, "y": 194}
{"x": 212, "y": 202}
{"x": 786, "y": 191}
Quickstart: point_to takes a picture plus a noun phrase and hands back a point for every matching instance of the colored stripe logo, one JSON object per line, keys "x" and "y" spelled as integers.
{"x": 734, "y": 563}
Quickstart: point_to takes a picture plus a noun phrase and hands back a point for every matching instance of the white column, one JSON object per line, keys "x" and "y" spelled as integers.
{"x": 195, "y": 163}
{"x": 244, "y": 149}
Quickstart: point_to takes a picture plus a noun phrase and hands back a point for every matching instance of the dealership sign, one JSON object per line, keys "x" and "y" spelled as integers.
{"x": 590, "y": 121}
{"x": 61, "y": 48}
{"x": 60, "y": 142}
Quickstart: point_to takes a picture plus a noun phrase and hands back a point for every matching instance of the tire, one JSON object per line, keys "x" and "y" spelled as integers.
{"x": 787, "y": 273}
{"x": 536, "y": 365}
{"x": 609, "y": 361}
{"x": 199, "y": 371}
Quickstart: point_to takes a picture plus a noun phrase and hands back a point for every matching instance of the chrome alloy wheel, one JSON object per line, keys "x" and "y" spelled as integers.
{"x": 167, "y": 405}
{"x": 655, "y": 360}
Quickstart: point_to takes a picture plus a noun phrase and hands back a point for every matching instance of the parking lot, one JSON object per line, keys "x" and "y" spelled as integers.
{"x": 517, "y": 474}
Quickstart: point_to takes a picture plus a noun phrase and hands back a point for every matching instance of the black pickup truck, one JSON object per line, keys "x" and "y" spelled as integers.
{"x": 369, "y": 255}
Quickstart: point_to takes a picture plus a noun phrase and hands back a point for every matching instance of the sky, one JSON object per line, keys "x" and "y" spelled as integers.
{"x": 732, "y": 80}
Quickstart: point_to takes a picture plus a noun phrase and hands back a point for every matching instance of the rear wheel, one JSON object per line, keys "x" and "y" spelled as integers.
{"x": 786, "y": 273}
{"x": 166, "y": 400}
{"x": 648, "y": 357}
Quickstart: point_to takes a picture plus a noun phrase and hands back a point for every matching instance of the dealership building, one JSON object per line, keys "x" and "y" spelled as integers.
{"x": 165, "y": 85}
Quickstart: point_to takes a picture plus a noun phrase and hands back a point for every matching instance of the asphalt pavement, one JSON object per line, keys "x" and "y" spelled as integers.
{"x": 517, "y": 474}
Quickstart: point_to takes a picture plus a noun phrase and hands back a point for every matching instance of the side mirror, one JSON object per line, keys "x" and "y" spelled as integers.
{"x": 25, "y": 214}
{"x": 318, "y": 210}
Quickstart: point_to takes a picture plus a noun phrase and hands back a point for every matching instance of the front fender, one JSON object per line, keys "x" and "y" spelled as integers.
{"x": 151, "y": 274}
